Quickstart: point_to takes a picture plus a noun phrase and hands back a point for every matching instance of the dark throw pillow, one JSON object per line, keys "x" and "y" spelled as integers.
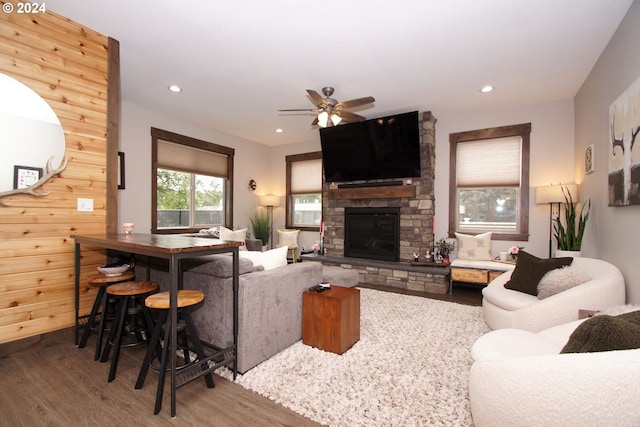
{"x": 605, "y": 333}
{"x": 530, "y": 269}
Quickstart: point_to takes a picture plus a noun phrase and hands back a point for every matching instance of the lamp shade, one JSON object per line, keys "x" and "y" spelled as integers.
{"x": 553, "y": 193}
{"x": 269, "y": 200}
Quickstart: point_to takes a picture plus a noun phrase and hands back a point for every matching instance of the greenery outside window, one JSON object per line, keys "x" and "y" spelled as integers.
{"x": 489, "y": 182}
{"x": 304, "y": 191}
{"x": 191, "y": 182}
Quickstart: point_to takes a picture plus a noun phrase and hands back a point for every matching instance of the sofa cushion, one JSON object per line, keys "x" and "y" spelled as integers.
{"x": 269, "y": 259}
{"x": 605, "y": 333}
{"x": 288, "y": 238}
{"x": 218, "y": 265}
{"x": 234, "y": 236}
{"x": 476, "y": 248}
{"x": 559, "y": 280}
{"x": 530, "y": 269}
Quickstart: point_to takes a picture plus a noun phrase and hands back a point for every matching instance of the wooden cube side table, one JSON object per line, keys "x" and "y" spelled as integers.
{"x": 331, "y": 319}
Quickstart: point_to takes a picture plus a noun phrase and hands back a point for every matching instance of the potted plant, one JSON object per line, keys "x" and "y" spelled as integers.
{"x": 261, "y": 226}
{"x": 569, "y": 236}
{"x": 445, "y": 248}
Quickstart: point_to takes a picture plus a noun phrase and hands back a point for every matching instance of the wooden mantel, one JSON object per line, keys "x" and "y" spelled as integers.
{"x": 373, "y": 192}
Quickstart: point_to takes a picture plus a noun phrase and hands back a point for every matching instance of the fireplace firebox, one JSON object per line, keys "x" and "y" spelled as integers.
{"x": 372, "y": 233}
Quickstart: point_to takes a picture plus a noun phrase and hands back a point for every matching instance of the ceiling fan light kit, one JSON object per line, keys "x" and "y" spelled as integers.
{"x": 330, "y": 111}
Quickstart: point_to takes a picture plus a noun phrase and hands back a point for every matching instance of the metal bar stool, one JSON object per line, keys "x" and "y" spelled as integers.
{"x": 99, "y": 309}
{"x": 129, "y": 295}
{"x": 187, "y": 299}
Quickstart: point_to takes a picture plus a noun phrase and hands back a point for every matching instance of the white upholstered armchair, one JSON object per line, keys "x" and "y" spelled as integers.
{"x": 506, "y": 308}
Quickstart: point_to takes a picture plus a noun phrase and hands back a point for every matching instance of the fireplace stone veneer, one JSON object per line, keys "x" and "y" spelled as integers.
{"x": 415, "y": 202}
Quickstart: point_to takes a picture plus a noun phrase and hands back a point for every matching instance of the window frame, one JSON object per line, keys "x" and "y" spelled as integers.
{"x": 159, "y": 134}
{"x": 290, "y": 159}
{"x": 523, "y": 131}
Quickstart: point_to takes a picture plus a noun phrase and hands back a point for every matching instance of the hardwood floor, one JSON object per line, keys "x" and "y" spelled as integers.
{"x": 50, "y": 382}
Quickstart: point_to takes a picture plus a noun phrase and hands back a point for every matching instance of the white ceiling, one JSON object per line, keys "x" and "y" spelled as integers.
{"x": 239, "y": 61}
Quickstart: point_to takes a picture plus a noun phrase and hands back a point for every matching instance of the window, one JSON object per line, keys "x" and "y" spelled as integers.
{"x": 304, "y": 191}
{"x": 191, "y": 183}
{"x": 489, "y": 182}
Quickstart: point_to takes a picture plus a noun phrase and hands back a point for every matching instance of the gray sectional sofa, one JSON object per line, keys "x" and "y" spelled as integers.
{"x": 269, "y": 303}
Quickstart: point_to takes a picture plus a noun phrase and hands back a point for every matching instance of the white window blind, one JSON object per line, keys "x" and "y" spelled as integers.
{"x": 192, "y": 160}
{"x": 306, "y": 176}
{"x": 489, "y": 163}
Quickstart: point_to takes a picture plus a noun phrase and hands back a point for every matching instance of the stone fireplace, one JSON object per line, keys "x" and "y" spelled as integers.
{"x": 414, "y": 201}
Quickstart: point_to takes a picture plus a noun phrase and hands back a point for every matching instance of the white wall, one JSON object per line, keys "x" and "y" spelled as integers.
{"x": 613, "y": 232}
{"x": 252, "y": 161}
{"x": 551, "y": 161}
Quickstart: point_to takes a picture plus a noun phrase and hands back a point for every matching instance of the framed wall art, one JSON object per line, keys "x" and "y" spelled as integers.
{"x": 624, "y": 156}
{"x": 25, "y": 176}
{"x": 589, "y": 165}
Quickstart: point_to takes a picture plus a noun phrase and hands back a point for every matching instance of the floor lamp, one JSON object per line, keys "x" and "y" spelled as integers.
{"x": 553, "y": 195}
{"x": 270, "y": 201}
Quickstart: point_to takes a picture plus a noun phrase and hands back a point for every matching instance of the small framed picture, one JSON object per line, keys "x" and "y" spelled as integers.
{"x": 589, "y": 165}
{"x": 25, "y": 176}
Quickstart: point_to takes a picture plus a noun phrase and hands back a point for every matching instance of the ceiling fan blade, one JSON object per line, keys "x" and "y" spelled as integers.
{"x": 356, "y": 102}
{"x": 313, "y": 110}
{"x": 350, "y": 117}
{"x": 315, "y": 122}
{"x": 317, "y": 98}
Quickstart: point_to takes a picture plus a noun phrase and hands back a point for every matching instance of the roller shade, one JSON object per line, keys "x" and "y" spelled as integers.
{"x": 306, "y": 176}
{"x": 191, "y": 160}
{"x": 489, "y": 163}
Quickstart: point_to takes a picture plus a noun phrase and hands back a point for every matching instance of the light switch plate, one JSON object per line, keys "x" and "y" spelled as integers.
{"x": 85, "y": 205}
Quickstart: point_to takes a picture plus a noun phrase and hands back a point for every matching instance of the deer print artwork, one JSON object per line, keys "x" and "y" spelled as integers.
{"x": 624, "y": 161}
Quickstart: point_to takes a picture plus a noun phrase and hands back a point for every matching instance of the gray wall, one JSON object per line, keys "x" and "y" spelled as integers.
{"x": 614, "y": 232}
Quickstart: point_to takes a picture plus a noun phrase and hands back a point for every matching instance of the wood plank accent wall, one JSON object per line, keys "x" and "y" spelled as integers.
{"x": 71, "y": 67}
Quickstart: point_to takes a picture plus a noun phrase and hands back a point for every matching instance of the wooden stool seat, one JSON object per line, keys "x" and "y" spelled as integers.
{"x": 130, "y": 296}
{"x": 186, "y": 298}
{"x": 138, "y": 287}
{"x": 103, "y": 279}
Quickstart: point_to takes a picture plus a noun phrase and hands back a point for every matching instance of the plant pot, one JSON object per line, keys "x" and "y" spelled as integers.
{"x": 574, "y": 254}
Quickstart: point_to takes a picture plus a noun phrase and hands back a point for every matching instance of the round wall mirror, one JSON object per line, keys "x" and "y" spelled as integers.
{"x": 31, "y": 138}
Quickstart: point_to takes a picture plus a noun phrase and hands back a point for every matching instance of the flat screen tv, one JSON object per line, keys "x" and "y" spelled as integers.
{"x": 386, "y": 147}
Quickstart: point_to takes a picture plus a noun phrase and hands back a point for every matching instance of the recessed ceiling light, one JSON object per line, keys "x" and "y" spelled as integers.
{"x": 175, "y": 88}
{"x": 279, "y": 130}
{"x": 486, "y": 89}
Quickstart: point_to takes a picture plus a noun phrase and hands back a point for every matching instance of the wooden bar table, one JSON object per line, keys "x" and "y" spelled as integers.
{"x": 172, "y": 248}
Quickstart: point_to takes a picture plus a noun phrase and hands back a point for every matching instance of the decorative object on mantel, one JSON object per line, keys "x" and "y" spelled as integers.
{"x": 553, "y": 195}
{"x": 445, "y": 248}
{"x": 624, "y": 124}
{"x": 569, "y": 236}
{"x": 513, "y": 251}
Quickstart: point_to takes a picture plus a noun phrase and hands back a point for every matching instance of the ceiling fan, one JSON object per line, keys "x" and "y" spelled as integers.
{"x": 330, "y": 111}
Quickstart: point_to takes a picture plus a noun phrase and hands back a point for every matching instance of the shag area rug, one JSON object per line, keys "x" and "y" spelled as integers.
{"x": 410, "y": 367}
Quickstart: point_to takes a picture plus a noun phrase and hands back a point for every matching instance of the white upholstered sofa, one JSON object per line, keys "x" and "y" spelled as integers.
{"x": 518, "y": 378}
{"x": 507, "y": 308}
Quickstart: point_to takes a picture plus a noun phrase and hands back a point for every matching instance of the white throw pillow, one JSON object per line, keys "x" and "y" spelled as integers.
{"x": 288, "y": 238}
{"x": 270, "y": 259}
{"x": 474, "y": 248}
{"x": 560, "y": 279}
{"x": 234, "y": 236}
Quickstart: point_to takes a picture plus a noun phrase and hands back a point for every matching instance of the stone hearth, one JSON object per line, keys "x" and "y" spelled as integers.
{"x": 416, "y": 203}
